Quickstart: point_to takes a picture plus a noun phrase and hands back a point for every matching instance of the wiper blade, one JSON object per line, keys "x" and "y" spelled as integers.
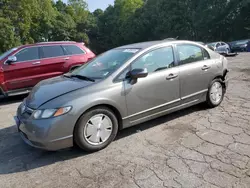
{"x": 82, "y": 77}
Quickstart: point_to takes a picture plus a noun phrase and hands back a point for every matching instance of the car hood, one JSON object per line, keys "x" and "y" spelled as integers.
{"x": 52, "y": 88}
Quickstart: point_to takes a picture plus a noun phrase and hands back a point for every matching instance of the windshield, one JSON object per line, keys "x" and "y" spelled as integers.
{"x": 105, "y": 64}
{"x": 2, "y": 56}
{"x": 241, "y": 42}
{"x": 212, "y": 44}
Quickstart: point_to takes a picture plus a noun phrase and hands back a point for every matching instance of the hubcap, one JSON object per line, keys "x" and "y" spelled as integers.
{"x": 216, "y": 92}
{"x": 98, "y": 129}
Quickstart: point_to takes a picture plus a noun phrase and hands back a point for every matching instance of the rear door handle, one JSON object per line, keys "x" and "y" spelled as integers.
{"x": 66, "y": 58}
{"x": 205, "y": 67}
{"x": 35, "y": 63}
{"x": 172, "y": 76}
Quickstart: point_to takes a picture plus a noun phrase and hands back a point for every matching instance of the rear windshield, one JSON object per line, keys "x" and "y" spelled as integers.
{"x": 2, "y": 56}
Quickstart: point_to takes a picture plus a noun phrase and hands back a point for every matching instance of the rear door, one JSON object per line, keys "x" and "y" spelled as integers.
{"x": 23, "y": 73}
{"x": 75, "y": 56}
{"x": 53, "y": 61}
{"x": 196, "y": 71}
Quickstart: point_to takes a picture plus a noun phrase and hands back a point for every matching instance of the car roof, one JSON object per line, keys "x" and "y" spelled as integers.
{"x": 145, "y": 45}
{"x": 49, "y": 43}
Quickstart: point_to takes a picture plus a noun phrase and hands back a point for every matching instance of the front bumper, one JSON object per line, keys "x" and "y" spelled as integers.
{"x": 47, "y": 134}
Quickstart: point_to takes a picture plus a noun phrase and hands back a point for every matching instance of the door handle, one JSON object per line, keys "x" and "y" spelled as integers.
{"x": 66, "y": 58}
{"x": 35, "y": 63}
{"x": 205, "y": 67}
{"x": 171, "y": 76}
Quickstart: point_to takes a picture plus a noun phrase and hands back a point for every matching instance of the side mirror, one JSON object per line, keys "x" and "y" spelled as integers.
{"x": 11, "y": 59}
{"x": 138, "y": 73}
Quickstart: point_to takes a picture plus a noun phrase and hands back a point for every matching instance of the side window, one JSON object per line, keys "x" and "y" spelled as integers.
{"x": 73, "y": 50}
{"x": 217, "y": 45}
{"x": 52, "y": 51}
{"x": 156, "y": 60}
{"x": 28, "y": 54}
{"x": 206, "y": 54}
{"x": 189, "y": 53}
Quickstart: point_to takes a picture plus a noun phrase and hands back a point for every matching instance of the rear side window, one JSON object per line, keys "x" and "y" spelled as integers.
{"x": 156, "y": 60}
{"x": 72, "y": 50}
{"x": 52, "y": 51}
{"x": 190, "y": 53}
{"x": 206, "y": 54}
{"x": 28, "y": 54}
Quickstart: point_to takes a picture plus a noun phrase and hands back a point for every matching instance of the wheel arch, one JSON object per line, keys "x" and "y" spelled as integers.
{"x": 111, "y": 107}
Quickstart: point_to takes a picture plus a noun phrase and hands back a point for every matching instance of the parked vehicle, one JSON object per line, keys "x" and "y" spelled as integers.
{"x": 120, "y": 88}
{"x": 220, "y": 47}
{"x": 240, "y": 46}
{"x": 23, "y": 67}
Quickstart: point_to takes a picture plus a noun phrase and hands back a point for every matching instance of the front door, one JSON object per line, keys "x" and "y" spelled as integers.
{"x": 196, "y": 71}
{"x": 23, "y": 73}
{"x": 156, "y": 93}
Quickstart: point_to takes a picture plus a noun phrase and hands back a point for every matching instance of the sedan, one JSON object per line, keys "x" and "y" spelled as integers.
{"x": 118, "y": 89}
{"x": 220, "y": 47}
{"x": 241, "y": 45}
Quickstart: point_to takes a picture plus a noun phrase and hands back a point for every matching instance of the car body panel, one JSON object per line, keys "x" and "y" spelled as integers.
{"x": 144, "y": 98}
{"x": 133, "y": 102}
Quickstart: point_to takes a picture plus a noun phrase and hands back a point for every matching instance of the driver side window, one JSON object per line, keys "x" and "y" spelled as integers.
{"x": 155, "y": 60}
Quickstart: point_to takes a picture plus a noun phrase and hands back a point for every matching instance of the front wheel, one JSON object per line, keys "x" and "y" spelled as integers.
{"x": 216, "y": 93}
{"x": 96, "y": 129}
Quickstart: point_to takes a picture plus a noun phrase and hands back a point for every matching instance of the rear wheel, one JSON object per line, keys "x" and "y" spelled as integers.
{"x": 96, "y": 129}
{"x": 215, "y": 93}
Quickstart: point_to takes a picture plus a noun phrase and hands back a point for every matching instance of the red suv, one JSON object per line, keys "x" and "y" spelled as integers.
{"x": 23, "y": 67}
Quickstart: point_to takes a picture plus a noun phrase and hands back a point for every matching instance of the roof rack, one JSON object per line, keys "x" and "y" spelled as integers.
{"x": 55, "y": 42}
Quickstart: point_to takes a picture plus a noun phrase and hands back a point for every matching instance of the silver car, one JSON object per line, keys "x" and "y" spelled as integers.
{"x": 120, "y": 88}
{"x": 220, "y": 47}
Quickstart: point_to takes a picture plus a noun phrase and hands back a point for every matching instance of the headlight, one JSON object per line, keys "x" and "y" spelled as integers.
{"x": 47, "y": 113}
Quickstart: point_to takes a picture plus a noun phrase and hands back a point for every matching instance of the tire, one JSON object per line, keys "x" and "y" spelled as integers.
{"x": 211, "y": 98}
{"x": 86, "y": 131}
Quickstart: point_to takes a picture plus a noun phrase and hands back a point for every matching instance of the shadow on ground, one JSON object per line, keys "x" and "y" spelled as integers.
{"x": 11, "y": 100}
{"x": 15, "y": 156}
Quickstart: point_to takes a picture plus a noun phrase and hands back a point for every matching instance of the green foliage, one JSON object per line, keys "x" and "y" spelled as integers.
{"x": 128, "y": 21}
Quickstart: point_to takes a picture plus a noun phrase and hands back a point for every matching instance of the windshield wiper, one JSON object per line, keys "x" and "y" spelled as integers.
{"x": 80, "y": 77}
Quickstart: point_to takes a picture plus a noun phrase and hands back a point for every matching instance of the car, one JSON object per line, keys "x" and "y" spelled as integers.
{"x": 240, "y": 46}
{"x": 23, "y": 67}
{"x": 118, "y": 89}
{"x": 220, "y": 47}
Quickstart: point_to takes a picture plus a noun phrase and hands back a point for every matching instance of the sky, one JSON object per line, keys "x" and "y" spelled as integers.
{"x": 95, "y": 4}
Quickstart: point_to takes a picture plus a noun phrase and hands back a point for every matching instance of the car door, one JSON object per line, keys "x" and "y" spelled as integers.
{"x": 153, "y": 95}
{"x": 76, "y": 56}
{"x": 23, "y": 73}
{"x": 53, "y": 61}
{"x": 196, "y": 71}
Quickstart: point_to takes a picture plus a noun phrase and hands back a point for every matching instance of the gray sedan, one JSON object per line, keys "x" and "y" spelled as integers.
{"x": 120, "y": 88}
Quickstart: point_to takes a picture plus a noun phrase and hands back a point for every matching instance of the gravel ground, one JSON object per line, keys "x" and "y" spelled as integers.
{"x": 195, "y": 147}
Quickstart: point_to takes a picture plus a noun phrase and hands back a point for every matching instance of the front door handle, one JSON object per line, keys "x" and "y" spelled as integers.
{"x": 172, "y": 76}
{"x": 205, "y": 67}
{"x": 35, "y": 63}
